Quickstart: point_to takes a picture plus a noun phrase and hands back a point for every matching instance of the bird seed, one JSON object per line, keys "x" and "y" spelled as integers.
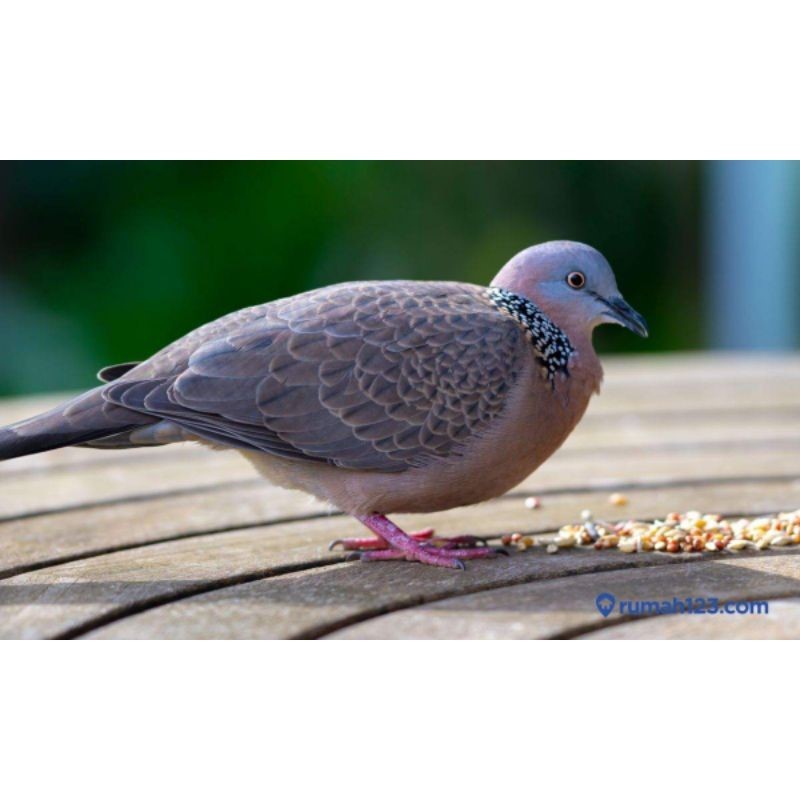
{"x": 692, "y": 532}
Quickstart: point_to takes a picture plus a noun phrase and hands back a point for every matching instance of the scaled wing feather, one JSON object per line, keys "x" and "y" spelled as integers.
{"x": 372, "y": 376}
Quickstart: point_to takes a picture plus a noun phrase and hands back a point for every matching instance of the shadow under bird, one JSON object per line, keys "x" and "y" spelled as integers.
{"x": 378, "y": 397}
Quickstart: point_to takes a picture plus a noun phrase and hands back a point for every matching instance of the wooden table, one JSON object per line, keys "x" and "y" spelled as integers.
{"x": 182, "y": 542}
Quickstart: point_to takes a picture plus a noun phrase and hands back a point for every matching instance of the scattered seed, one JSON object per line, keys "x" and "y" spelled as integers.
{"x": 532, "y": 503}
{"x": 737, "y": 544}
{"x": 692, "y": 532}
{"x": 592, "y": 533}
{"x": 618, "y": 499}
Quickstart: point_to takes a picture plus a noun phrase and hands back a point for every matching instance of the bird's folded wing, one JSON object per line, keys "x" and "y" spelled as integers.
{"x": 374, "y": 376}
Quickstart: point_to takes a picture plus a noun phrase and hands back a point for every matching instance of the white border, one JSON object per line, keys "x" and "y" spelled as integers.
{"x": 395, "y": 720}
{"x": 388, "y": 80}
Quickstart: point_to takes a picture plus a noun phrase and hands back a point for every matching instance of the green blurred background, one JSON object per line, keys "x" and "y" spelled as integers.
{"x": 105, "y": 262}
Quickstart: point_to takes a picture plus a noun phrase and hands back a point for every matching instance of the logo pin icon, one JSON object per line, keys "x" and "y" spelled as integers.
{"x": 605, "y": 603}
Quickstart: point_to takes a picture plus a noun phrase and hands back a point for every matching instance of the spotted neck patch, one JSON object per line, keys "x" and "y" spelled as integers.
{"x": 551, "y": 345}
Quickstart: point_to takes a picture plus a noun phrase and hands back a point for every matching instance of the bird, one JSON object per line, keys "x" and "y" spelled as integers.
{"x": 376, "y": 397}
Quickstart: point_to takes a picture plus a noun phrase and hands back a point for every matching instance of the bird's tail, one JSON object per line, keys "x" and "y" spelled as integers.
{"x": 77, "y": 421}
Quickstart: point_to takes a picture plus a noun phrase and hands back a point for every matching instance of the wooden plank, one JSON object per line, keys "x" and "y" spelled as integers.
{"x": 702, "y": 365}
{"x": 42, "y": 492}
{"x": 645, "y": 467}
{"x": 699, "y": 366}
{"x": 652, "y": 397}
{"x": 60, "y": 599}
{"x": 32, "y": 543}
{"x": 395, "y": 604}
{"x": 659, "y": 430}
{"x": 710, "y": 380}
{"x": 55, "y": 600}
{"x": 76, "y": 458}
{"x": 560, "y": 607}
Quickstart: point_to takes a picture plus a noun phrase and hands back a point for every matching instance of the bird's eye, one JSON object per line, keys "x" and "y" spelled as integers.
{"x": 576, "y": 280}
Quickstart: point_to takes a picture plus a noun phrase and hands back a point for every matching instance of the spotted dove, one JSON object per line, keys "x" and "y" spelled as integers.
{"x": 376, "y": 397}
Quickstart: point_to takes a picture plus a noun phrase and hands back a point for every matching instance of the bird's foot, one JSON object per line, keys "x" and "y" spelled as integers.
{"x": 394, "y": 544}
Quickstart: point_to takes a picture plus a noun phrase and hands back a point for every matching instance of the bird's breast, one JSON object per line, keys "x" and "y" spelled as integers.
{"x": 535, "y": 422}
{"x": 538, "y": 419}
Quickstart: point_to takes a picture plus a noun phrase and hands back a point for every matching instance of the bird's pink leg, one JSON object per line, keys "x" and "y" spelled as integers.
{"x": 403, "y": 546}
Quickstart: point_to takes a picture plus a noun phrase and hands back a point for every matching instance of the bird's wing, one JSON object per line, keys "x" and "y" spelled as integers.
{"x": 373, "y": 376}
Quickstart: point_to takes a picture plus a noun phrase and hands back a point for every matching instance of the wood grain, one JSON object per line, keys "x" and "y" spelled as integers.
{"x": 565, "y": 607}
{"x": 183, "y": 542}
{"x": 58, "y": 600}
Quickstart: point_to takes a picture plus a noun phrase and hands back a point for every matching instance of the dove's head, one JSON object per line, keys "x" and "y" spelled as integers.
{"x": 573, "y": 284}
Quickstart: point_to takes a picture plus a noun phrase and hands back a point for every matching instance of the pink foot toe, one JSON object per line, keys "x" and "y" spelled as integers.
{"x": 374, "y": 543}
{"x": 365, "y": 543}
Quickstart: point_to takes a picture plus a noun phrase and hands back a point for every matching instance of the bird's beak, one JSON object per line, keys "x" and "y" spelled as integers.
{"x": 625, "y": 315}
